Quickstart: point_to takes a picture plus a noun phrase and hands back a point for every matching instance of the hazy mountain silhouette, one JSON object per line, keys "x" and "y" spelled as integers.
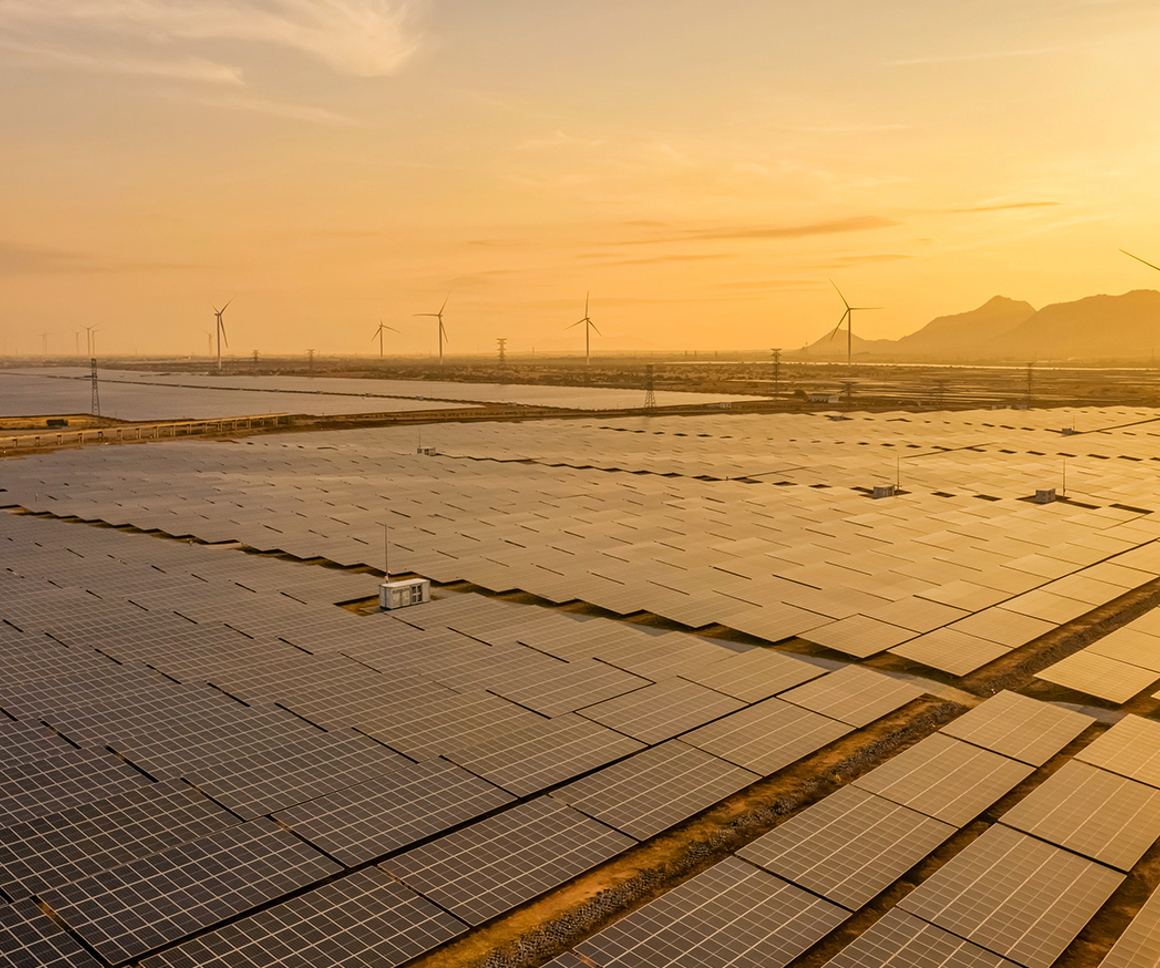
{"x": 1095, "y": 327}
{"x": 966, "y": 334}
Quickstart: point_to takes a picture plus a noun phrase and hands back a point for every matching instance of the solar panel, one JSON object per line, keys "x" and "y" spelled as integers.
{"x": 1021, "y": 728}
{"x": 22, "y": 742}
{"x": 1098, "y": 675}
{"x": 854, "y": 695}
{"x": 364, "y": 920}
{"x": 859, "y": 636}
{"x": 1137, "y": 946}
{"x": 545, "y": 754}
{"x": 567, "y": 686}
{"x": 951, "y": 650}
{"x": 1101, "y": 815}
{"x": 1131, "y": 748}
{"x": 768, "y": 736}
{"x": 754, "y": 675}
{"x": 900, "y": 940}
{"x": 731, "y": 914}
{"x": 392, "y": 811}
{"x": 1014, "y": 895}
{"x": 275, "y": 779}
{"x": 30, "y": 939}
{"x": 849, "y": 847}
{"x": 498, "y": 863}
{"x": 652, "y": 790}
{"x": 945, "y": 779}
{"x": 42, "y": 787}
{"x": 78, "y": 842}
{"x": 661, "y": 711}
{"x": 130, "y": 910}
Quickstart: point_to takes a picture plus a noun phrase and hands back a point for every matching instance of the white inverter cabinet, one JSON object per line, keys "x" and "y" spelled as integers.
{"x": 400, "y": 594}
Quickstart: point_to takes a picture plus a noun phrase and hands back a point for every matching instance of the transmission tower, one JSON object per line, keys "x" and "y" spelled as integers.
{"x": 310, "y": 356}
{"x": 96, "y": 401}
{"x": 650, "y": 396}
{"x": 501, "y": 341}
{"x": 776, "y": 354}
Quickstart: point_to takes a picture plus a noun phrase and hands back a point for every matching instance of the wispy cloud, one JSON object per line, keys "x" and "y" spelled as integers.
{"x": 856, "y": 223}
{"x": 984, "y": 55}
{"x": 659, "y": 259}
{"x": 18, "y": 258}
{"x": 1002, "y": 207}
{"x": 845, "y": 261}
{"x": 185, "y": 69}
{"x": 366, "y": 38}
{"x": 255, "y": 104}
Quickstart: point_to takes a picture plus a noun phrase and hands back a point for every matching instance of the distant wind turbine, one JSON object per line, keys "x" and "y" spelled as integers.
{"x": 221, "y": 331}
{"x": 382, "y": 326}
{"x": 848, "y": 318}
{"x": 442, "y": 331}
{"x": 1138, "y": 259}
{"x": 77, "y": 335}
{"x": 208, "y": 342}
{"x": 588, "y": 327}
{"x": 91, "y": 338}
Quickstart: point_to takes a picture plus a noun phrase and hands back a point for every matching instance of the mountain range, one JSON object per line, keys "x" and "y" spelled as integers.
{"x": 1124, "y": 327}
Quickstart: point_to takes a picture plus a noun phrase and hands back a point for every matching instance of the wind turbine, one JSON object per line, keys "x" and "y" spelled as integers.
{"x": 848, "y": 318}
{"x": 382, "y": 326}
{"x": 442, "y": 331}
{"x": 221, "y": 331}
{"x": 77, "y": 336}
{"x": 1138, "y": 259}
{"x": 91, "y": 337}
{"x": 588, "y": 327}
{"x": 208, "y": 342}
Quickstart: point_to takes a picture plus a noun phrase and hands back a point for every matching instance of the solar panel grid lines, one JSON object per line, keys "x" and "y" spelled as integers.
{"x": 22, "y": 742}
{"x": 1092, "y": 812}
{"x": 566, "y": 687}
{"x": 1003, "y": 626}
{"x": 1129, "y": 645}
{"x": 1130, "y": 748}
{"x": 652, "y": 790}
{"x": 658, "y": 712}
{"x": 275, "y": 779}
{"x": 130, "y": 910}
{"x": 853, "y": 695}
{"x": 848, "y": 847}
{"x": 77, "y": 842}
{"x": 945, "y": 778}
{"x": 1136, "y": 947}
{"x": 29, "y": 938}
{"x": 439, "y": 726}
{"x": 1017, "y": 896}
{"x": 1019, "y": 727}
{"x": 393, "y": 811}
{"x": 731, "y": 914}
{"x": 753, "y": 675}
{"x": 900, "y": 940}
{"x": 42, "y": 787}
{"x": 545, "y": 754}
{"x": 768, "y": 736}
{"x": 502, "y": 861}
{"x": 859, "y": 636}
{"x": 363, "y": 920}
{"x": 951, "y": 650}
{"x": 1099, "y": 675}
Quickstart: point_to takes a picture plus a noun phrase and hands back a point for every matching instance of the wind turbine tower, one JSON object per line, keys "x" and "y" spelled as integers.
{"x": 379, "y": 334}
{"x": 588, "y": 327}
{"x": 442, "y": 331}
{"x": 221, "y": 331}
{"x": 848, "y": 319}
{"x": 91, "y": 339}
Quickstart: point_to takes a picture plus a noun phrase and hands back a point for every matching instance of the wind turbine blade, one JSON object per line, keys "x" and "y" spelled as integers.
{"x": 838, "y": 328}
{"x": 839, "y": 292}
{"x": 586, "y": 295}
{"x": 575, "y": 324}
{"x": 391, "y": 328}
{"x": 443, "y": 330}
{"x": 227, "y": 305}
{"x": 866, "y": 307}
{"x": 424, "y": 314}
{"x": 1138, "y": 259}
{"x": 225, "y": 339}
{"x": 593, "y": 325}
{"x": 445, "y": 298}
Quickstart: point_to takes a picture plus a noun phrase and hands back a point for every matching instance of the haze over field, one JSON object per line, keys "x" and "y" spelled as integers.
{"x": 702, "y": 169}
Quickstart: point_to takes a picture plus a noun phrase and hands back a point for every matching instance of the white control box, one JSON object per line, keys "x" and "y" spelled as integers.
{"x": 400, "y": 594}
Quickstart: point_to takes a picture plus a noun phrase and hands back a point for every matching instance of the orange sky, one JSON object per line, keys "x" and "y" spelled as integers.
{"x": 702, "y": 169}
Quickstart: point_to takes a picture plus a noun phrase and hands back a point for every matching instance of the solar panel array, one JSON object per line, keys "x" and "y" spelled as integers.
{"x": 202, "y": 743}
